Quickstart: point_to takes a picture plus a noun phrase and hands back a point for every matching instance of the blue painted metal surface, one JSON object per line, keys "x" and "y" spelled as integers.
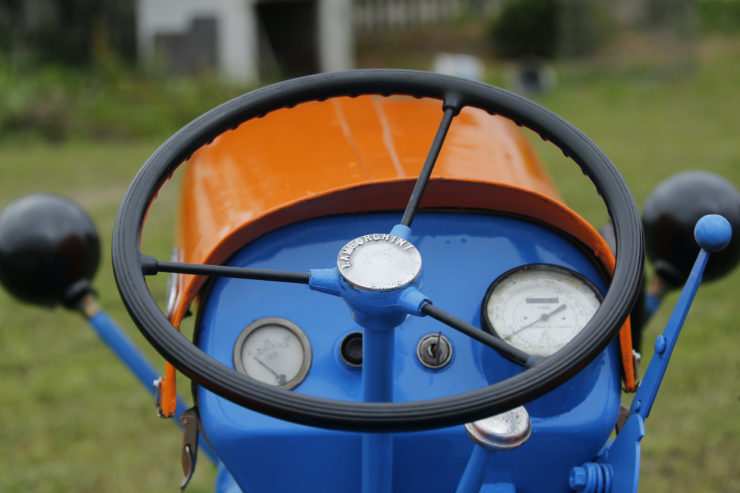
{"x": 225, "y": 482}
{"x": 475, "y": 471}
{"x": 462, "y": 255}
{"x": 377, "y": 383}
{"x": 498, "y": 488}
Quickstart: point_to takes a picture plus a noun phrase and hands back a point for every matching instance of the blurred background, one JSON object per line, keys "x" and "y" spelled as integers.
{"x": 90, "y": 88}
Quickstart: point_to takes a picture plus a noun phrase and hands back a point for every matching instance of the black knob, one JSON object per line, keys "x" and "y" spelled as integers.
{"x": 670, "y": 214}
{"x": 49, "y": 250}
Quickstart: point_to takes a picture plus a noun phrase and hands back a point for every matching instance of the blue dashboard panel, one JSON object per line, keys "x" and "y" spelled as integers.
{"x": 463, "y": 253}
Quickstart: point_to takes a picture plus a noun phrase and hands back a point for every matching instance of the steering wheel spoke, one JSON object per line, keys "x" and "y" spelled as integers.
{"x": 452, "y": 107}
{"x": 151, "y": 266}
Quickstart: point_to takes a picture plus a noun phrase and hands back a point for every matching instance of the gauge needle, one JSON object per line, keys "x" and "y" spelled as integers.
{"x": 542, "y": 318}
{"x": 281, "y": 379}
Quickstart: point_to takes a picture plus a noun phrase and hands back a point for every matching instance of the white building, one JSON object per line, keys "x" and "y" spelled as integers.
{"x": 246, "y": 41}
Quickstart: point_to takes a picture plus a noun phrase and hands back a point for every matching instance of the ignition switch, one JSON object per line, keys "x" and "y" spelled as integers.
{"x": 434, "y": 351}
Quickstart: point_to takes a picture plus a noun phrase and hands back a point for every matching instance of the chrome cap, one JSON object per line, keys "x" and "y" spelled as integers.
{"x": 503, "y": 431}
{"x": 379, "y": 262}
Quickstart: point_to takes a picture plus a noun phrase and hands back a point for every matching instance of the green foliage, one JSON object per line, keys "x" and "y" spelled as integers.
{"x": 720, "y": 15}
{"x": 56, "y": 103}
{"x": 548, "y": 28}
{"x": 37, "y": 102}
{"x": 73, "y": 32}
{"x": 526, "y": 28}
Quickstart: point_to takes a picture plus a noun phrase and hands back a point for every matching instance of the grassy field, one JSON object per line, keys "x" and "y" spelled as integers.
{"x": 73, "y": 419}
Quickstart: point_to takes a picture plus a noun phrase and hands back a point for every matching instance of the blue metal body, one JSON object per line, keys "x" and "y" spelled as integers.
{"x": 475, "y": 471}
{"x": 463, "y": 254}
{"x": 570, "y": 424}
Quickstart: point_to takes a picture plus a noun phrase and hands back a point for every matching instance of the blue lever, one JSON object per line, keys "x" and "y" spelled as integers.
{"x": 713, "y": 233}
{"x": 619, "y": 464}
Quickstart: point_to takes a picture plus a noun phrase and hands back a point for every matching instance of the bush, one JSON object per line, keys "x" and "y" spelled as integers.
{"x": 720, "y": 15}
{"x": 548, "y": 28}
{"x": 55, "y": 103}
{"x": 526, "y": 28}
{"x": 36, "y": 104}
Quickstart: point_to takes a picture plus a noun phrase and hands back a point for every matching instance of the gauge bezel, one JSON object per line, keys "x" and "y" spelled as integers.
{"x": 487, "y": 325}
{"x": 286, "y": 324}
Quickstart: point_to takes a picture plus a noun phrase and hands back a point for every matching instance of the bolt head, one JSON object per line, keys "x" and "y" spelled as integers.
{"x": 578, "y": 478}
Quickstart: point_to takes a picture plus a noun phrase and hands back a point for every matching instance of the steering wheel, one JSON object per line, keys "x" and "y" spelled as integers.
{"x": 131, "y": 266}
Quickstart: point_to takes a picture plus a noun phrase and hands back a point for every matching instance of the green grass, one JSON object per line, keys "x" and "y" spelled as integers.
{"x": 74, "y": 419}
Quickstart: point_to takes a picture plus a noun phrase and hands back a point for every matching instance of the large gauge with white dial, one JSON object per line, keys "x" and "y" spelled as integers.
{"x": 539, "y": 308}
{"x": 274, "y": 351}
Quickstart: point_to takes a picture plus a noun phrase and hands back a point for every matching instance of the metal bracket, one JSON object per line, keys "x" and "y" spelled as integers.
{"x": 190, "y": 421}
{"x": 157, "y": 385}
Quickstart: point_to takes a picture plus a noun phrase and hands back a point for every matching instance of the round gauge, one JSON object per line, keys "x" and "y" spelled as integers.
{"x": 539, "y": 308}
{"x": 274, "y": 351}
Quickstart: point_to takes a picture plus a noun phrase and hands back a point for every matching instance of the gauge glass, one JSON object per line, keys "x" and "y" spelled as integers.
{"x": 539, "y": 308}
{"x": 274, "y": 351}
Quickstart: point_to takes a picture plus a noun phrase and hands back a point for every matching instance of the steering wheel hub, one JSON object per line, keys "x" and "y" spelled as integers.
{"x": 379, "y": 262}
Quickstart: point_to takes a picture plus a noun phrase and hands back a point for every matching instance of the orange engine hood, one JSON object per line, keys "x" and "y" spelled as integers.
{"x": 353, "y": 155}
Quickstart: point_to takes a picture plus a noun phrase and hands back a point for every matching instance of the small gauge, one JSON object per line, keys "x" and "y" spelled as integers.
{"x": 539, "y": 308}
{"x": 274, "y": 351}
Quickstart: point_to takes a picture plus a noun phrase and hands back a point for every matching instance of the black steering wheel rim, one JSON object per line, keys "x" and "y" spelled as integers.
{"x": 376, "y": 416}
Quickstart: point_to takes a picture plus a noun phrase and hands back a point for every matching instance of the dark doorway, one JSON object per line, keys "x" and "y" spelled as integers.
{"x": 288, "y": 38}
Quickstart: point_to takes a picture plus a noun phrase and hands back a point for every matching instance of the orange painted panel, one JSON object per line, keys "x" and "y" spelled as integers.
{"x": 320, "y": 147}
